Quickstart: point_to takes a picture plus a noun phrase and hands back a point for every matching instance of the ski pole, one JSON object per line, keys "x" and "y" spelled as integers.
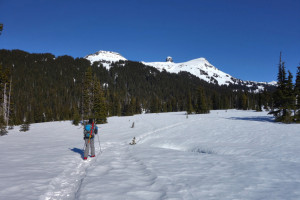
{"x": 84, "y": 145}
{"x": 99, "y": 143}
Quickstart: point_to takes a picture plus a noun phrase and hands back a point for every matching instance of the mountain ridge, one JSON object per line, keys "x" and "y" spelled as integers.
{"x": 200, "y": 67}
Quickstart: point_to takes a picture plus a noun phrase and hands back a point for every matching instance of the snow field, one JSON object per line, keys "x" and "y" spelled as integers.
{"x": 223, "y": 155}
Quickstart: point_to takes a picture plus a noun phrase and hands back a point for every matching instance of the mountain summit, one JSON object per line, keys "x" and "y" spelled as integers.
{"x": 199, "y": 67}
{"x": 105, "y": 56}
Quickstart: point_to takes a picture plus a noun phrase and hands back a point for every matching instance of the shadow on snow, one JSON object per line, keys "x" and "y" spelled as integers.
{"x": 257, "y": 119}
{"x": 79, "y": 151}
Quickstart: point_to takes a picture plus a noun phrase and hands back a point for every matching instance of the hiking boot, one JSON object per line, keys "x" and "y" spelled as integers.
{"x": 85, "y": 158}
{"x": 93, "y": 156}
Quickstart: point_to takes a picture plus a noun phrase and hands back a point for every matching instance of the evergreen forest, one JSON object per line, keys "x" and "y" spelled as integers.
{"x": 41, "y": 87}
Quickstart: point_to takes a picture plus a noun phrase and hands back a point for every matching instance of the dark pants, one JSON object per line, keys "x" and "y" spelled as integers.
{"x": 88, "y": 146}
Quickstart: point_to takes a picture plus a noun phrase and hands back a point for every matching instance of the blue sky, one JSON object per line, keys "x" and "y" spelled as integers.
{"x": 240, "y": 37}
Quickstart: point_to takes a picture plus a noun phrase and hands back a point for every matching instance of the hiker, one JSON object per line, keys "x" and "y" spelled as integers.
{"x": 89, "y": 134}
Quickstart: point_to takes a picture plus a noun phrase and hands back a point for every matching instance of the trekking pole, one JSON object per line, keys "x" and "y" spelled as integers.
{"x": 84, "y": 145}
{"x": 99, "y": 143}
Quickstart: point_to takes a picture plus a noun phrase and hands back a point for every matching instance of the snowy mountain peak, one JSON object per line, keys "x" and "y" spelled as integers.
{"x": 108, "y": 56}
{"x": 203, "y": 69}
{"x": 199, "y": 67}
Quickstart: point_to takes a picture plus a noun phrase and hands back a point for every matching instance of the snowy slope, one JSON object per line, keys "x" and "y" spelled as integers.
{"x": 105, "y": 57}
{"x": 199, "y": 67}
{"x": 204, "y": 70}
{"x": 223, "y": 155}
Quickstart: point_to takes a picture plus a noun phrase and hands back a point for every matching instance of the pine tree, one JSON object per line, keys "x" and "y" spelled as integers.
{"x": 297, "y": 95}
{"x": 201, "y": 107}
{"x": 281, "y": 77}
{"x": 88, "y": 95}
{"x": 290, "y": 92}
{"x": 189, "y": 104}
{"x": 25, "y": 126}
{"x": 297, "y": 85}
{"x": 155, "y": 105}
{"x": 259, "y": 103}
{"x": 99, "y": 107}
{"x": 169, "y": 106}
{"x": 138, "y": 109}
{"x": 76, "y": 116}
{"x": 267, "y": 100}
{"x": 244, "y": 101}
{"x": 283, "y": 96}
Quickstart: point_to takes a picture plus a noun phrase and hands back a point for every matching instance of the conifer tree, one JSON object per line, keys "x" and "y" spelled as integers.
{"x": 117, "y": 107}
{"x": 88, "y": 94}
{"x": 138, "y": 109}
{"x": 283, "y": 96}
{"x": 290, "y": 92}
{"x": 189, "y": 104}
{"x": 297, "y": 95}
{"x": 259, "y": 103}
{"x": 164, "y": 107}
{"x": 169, "y": 106}
{"x": 26, "y": 124}
{"x": 154, "y": 105}
{"x": 267, "y": 100}
{"x": 281, "y": 77}
{"x": 76, "y": 116}
{"x": 201, "y": 107}
{"x": 243, "y": 101}
{"x": 99, "y": 107}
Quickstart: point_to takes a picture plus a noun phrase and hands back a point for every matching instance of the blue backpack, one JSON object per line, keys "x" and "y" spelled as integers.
{"x": 88, "y": 130}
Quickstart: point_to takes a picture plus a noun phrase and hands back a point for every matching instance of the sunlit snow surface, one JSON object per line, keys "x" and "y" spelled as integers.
{"x": 223, "y": 155}
{"x": 107, "y": 56}
{"x": 199, "y": 67}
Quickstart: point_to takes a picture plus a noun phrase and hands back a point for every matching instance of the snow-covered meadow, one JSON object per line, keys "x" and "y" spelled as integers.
{"x": 222, "y": 155}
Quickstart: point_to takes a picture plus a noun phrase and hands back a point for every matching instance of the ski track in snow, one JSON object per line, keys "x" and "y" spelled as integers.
{"x": 140, "y": 183}
{"x": 66, "y": 185}
{"x": 226, "y": 158}
{"x": 121, "y": 160}
{"x": 150, "y": 133}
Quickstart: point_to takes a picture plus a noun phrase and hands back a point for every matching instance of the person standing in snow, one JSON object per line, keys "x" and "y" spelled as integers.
{"x": 90, "y": 129}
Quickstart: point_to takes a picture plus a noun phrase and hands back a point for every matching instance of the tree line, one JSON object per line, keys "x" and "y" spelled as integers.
{"x": 42, "y": 87}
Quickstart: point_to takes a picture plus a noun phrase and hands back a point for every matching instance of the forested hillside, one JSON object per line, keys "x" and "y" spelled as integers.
{"x": 47, "y": 88}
